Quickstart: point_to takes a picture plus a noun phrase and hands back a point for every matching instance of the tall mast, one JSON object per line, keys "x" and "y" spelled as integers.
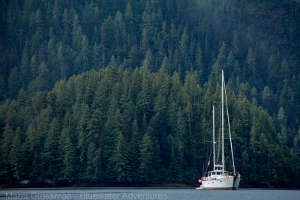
{"x": 228, "y": 121}
{"x": 214, "y": 141}
{"x": 222, "y": 87}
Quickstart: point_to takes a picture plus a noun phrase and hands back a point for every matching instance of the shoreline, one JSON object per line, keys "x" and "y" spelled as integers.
{"x": 162, "y": 186}
{"x": 97, "y": 186}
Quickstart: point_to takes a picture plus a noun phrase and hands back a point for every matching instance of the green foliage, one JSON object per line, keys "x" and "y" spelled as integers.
{"x": 52, "y": 153}
{"x": 146, "y": 166}
{"x": 91, "y": 127}
{"x": 70, "y": 156}
{"x": 134, "y": 154}
{"x": 149, "y": 133}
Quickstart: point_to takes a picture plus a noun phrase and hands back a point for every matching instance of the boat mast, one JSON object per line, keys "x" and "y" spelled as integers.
{"x": 214, "y": 141}
{"x": 229, "y": 130}
{"x": 222, "y": 87}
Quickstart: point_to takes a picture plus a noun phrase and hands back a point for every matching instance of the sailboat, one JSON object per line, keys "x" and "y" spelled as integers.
{"x": 219, "y": 178}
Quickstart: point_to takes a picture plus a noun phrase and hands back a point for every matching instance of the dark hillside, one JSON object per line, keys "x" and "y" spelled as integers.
{"x": 257, "y": 43}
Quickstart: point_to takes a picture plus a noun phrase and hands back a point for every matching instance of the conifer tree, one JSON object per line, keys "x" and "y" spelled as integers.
{"x": 52, "y": 155}
{"x": 70, "y": 160}
{"x": 146, "y": 159}
{"x": 91, "y": 162}
{"x": 15, "y": 155}
{"x": 134, "y": 154}
{"x": 166, "y": 66}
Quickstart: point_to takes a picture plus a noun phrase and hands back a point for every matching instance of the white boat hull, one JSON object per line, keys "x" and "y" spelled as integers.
{"x": 219, "y": 183}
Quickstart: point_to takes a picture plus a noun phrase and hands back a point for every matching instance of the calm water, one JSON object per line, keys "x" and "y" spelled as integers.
{"x": 146, "y": 194}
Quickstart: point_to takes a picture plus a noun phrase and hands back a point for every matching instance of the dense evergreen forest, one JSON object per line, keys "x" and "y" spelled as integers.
{"x": 121, "y": 91}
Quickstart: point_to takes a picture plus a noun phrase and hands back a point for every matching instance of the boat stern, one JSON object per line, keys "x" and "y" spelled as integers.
{"x": 236, "y": 181}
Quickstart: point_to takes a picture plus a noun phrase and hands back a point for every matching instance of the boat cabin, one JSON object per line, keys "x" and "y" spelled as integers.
{"x": 217, "y": 172}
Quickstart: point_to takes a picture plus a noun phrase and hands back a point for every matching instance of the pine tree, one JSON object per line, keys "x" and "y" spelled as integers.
{"x": 107, "y": 33}
{"x": 267, "y": 98}
{"x": 95, "y": 126}
{"x": 7, "y": 139}
{"x": 174, "y": 168}
{"x": 15, "y": 155}
{"x": 91, "y": 162}
{"x": 144, "y": 97}
{"x": 251, "y": 66}
{"x": 112, "y": 131}
{"x": 98, "y": 169}
{"x": 282, "y": 126}
{"x": 83, "y": 138}
{"x": 14, "y": 82}
{"x": 230, "y": 64}
{"x": 42, "y": 81}
{"x": 96, "y": 56}
{"x": 126, "y": 108}
{"x": 25, "y": 65}
{"x": 148, "y": 61}
{"x": 199, "y": 64}
{"x": 82, "y": 60}
{"x": 70, "y": 160}
{"x": 184, "y": 42}
{"x": 133, "y": 154}
{"x": 52, "y": 155}
{"x": 128, "y": 12}
{"x": 27, "y": 157}
{"x": 119, "y": 31}
{"x": 119, "y": 159}
{"x": 146, "y": 159}
{"x": 165, "y": 66}
{"x": 219, "y": 64}
{"x": 113, "y": 63}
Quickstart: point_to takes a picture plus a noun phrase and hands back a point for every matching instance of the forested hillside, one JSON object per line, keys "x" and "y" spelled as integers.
{"x": 145, "y": 74}
{"x": 140, "y": 127}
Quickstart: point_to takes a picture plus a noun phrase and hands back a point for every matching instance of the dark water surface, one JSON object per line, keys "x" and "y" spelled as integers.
{"x": 146, "y": 194}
